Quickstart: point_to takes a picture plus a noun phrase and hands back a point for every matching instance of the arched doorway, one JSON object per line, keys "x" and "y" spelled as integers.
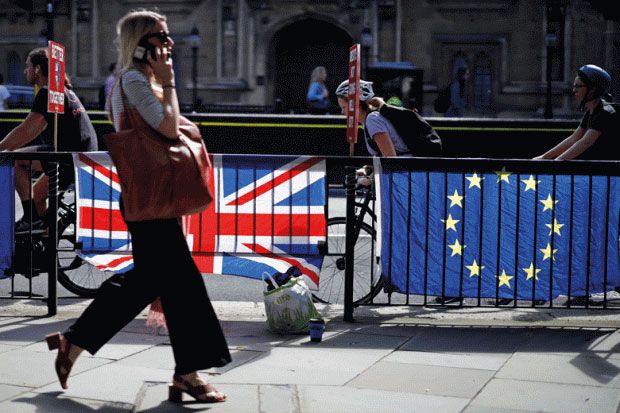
{"x": 299, "y": 47}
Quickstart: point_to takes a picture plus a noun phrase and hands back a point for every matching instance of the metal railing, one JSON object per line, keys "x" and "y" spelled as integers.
{"x": 461, "y": 230}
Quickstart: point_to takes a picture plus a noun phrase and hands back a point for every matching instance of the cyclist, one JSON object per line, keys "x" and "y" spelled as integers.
{"x": 391, "y": 130}
{"x": 595, "y": 135}
{"x": 75, "y": 133}
{"x": 380, "y": 135}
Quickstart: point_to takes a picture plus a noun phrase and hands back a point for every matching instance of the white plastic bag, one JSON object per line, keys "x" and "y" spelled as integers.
{"x": 289, "y": 307}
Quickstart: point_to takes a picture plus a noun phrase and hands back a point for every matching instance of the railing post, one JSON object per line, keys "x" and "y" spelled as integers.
{"x": 52, "y": 241}
{"x": 350, "y": 183}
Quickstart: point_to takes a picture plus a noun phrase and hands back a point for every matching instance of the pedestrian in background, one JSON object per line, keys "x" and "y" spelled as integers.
{"x": 317, "y": 96}
{"x": 4, "y": 95}
{"x": 457, "y": 93}
{"x": 163, "y": 265}
{"x": 106, "y": 88}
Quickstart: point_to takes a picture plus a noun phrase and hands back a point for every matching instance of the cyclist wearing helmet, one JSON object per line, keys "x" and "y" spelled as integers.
{"x": 593, "y": 139}
{"x": 381, "y": 136}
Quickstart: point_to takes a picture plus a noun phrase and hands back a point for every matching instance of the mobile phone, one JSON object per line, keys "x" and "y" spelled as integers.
{"x": 143, "y": 48}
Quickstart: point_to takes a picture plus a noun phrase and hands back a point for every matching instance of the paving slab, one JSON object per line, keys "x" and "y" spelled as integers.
{"x": 570, "y": 341}
{"x": 321, "y": 399}
{"x": 586, "y": 369}
{"x": 31, "y": 368}
{"x": 547, "y": 397}
{"x": 112, "y": 382}
{"x": 55, "y": 402}
{"x": 8, "y": 347}
{"x": 423, "y": 379}
{"x": 330, "y": 363}
{"x": 8, "y": 391}
{"x": 463, "y": 340}
{"x": 161, "y": 357}
{"x": 466, "y": 361}
{"x": 29, "y": 332}
{"x": 241, "y": 398}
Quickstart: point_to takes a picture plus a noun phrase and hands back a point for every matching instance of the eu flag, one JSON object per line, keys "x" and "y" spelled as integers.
{"x": 499, "y": 233}
{"x": 7, "y": 213}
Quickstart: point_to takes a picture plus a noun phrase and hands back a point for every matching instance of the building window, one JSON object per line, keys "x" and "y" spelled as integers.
{"x": 483, "y": 82}
{"x": 230, "y": 32}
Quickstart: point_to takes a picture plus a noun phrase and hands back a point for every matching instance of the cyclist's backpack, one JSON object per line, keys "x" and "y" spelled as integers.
{"x": 418, "y": 135}
{"x": 443, "y": 101}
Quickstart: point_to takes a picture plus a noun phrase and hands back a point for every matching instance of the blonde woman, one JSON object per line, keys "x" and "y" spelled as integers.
{"x": 163, "y": 266}
{"x": 317, "y": 96}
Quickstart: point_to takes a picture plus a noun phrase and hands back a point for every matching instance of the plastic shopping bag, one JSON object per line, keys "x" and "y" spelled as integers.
{"x": 289, "y": 307}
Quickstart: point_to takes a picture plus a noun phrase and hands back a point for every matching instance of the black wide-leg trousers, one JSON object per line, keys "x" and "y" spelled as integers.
{"x": 163, "y": 267}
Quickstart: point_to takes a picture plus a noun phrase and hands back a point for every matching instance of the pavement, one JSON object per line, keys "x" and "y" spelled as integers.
{"x": 393, "y": 359}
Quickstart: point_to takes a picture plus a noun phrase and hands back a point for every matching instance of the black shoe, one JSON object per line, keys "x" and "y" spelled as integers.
{"x": 448, "y": 300}
{"x": 23, "y": 227}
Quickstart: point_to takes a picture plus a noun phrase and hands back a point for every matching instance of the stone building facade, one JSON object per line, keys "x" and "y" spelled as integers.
{"x": 257, "y": 52}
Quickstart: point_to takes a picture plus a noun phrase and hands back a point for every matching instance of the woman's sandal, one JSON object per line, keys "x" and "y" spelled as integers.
{"x": 63, "y": 364}
{"x": 205, "y": 393}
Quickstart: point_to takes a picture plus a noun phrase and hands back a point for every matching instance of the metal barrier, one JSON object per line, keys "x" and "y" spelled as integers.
{"x": 428, "y": 262}
{"x": 38, "y": 252}
{"x": 432, "y": 175}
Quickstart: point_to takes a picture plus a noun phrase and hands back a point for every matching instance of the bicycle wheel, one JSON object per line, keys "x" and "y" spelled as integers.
{"x": 75, "y": 274}
{"x": 366, "y": 285}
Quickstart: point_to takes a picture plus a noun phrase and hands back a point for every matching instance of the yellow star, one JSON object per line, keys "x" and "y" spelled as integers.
{"x": 474, "y": 268}
{"x": 548, "y": 203}
{"x": 532, "y": 272}
{"x": 455, "y": 199}
{"x": 474, "y": 180}
{"x": 456, "y": 248}
{"x": 504, "y": 279}
{"x": 555, "y": 227}
{"x": 450, "y": 223}
{"x": 547, "y": 252}
{"x": 530, "y": 183}
{"x": 503, "y": 175}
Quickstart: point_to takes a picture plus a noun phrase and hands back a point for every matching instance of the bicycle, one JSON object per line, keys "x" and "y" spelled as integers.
{"x": 74, "y": 274}
{"x": 367, "y": 284}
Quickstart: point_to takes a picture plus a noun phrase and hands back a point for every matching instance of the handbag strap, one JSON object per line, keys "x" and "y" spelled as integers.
{"x": 129, "y": 119}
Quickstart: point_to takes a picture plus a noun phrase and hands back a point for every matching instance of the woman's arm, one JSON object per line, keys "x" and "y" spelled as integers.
{"x": 164, "y": 75}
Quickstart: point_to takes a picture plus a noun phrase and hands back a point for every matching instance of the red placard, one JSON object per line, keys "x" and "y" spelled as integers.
{"x": 353, "y": 96}
{"x": 56, "y": 78}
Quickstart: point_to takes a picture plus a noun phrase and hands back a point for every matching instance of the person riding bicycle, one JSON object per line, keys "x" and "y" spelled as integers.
{"x": 75, "y": 133}
{"x": 594, "y": 137}
{"x": 390, "y": 130}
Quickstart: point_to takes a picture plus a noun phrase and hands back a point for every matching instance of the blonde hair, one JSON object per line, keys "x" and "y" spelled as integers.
{"x": 129, "y": 29}
{"x": 315, "y": 76}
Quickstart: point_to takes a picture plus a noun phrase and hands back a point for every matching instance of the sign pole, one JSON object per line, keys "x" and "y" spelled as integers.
{"x": 55, "y": 105}
{"x": 353, "y": 97}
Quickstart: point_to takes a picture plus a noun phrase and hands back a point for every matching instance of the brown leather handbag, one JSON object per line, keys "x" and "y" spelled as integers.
{"x": 160, "y": 178}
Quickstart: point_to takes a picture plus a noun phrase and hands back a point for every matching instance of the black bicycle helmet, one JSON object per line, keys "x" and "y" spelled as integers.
{"x": 595, "y": 79}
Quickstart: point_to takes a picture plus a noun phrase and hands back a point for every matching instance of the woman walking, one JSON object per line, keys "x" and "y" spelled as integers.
{"x": 163, "y": 266}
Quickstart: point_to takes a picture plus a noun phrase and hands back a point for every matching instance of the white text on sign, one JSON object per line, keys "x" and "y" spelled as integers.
{"x": 58, "y": 53}
{"x": 56, "y": 98}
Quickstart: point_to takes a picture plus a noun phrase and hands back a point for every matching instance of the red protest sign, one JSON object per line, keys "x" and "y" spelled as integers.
{"x": 353, "y": 95}
{"x": 56, "y": 78}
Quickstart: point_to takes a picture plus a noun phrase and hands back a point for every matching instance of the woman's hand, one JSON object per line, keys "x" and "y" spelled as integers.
{"x": 162, "y": 66}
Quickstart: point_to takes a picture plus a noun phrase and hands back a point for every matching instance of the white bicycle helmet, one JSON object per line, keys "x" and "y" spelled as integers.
{"x": 366, "y": 91}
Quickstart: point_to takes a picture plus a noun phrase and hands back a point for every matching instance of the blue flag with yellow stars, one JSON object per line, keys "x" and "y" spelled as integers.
{"x": 7, "y": 214}
{"x": 499, "y": 234}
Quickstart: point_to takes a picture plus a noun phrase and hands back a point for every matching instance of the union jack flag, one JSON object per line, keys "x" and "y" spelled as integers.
{"x": 268, "y": 214}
